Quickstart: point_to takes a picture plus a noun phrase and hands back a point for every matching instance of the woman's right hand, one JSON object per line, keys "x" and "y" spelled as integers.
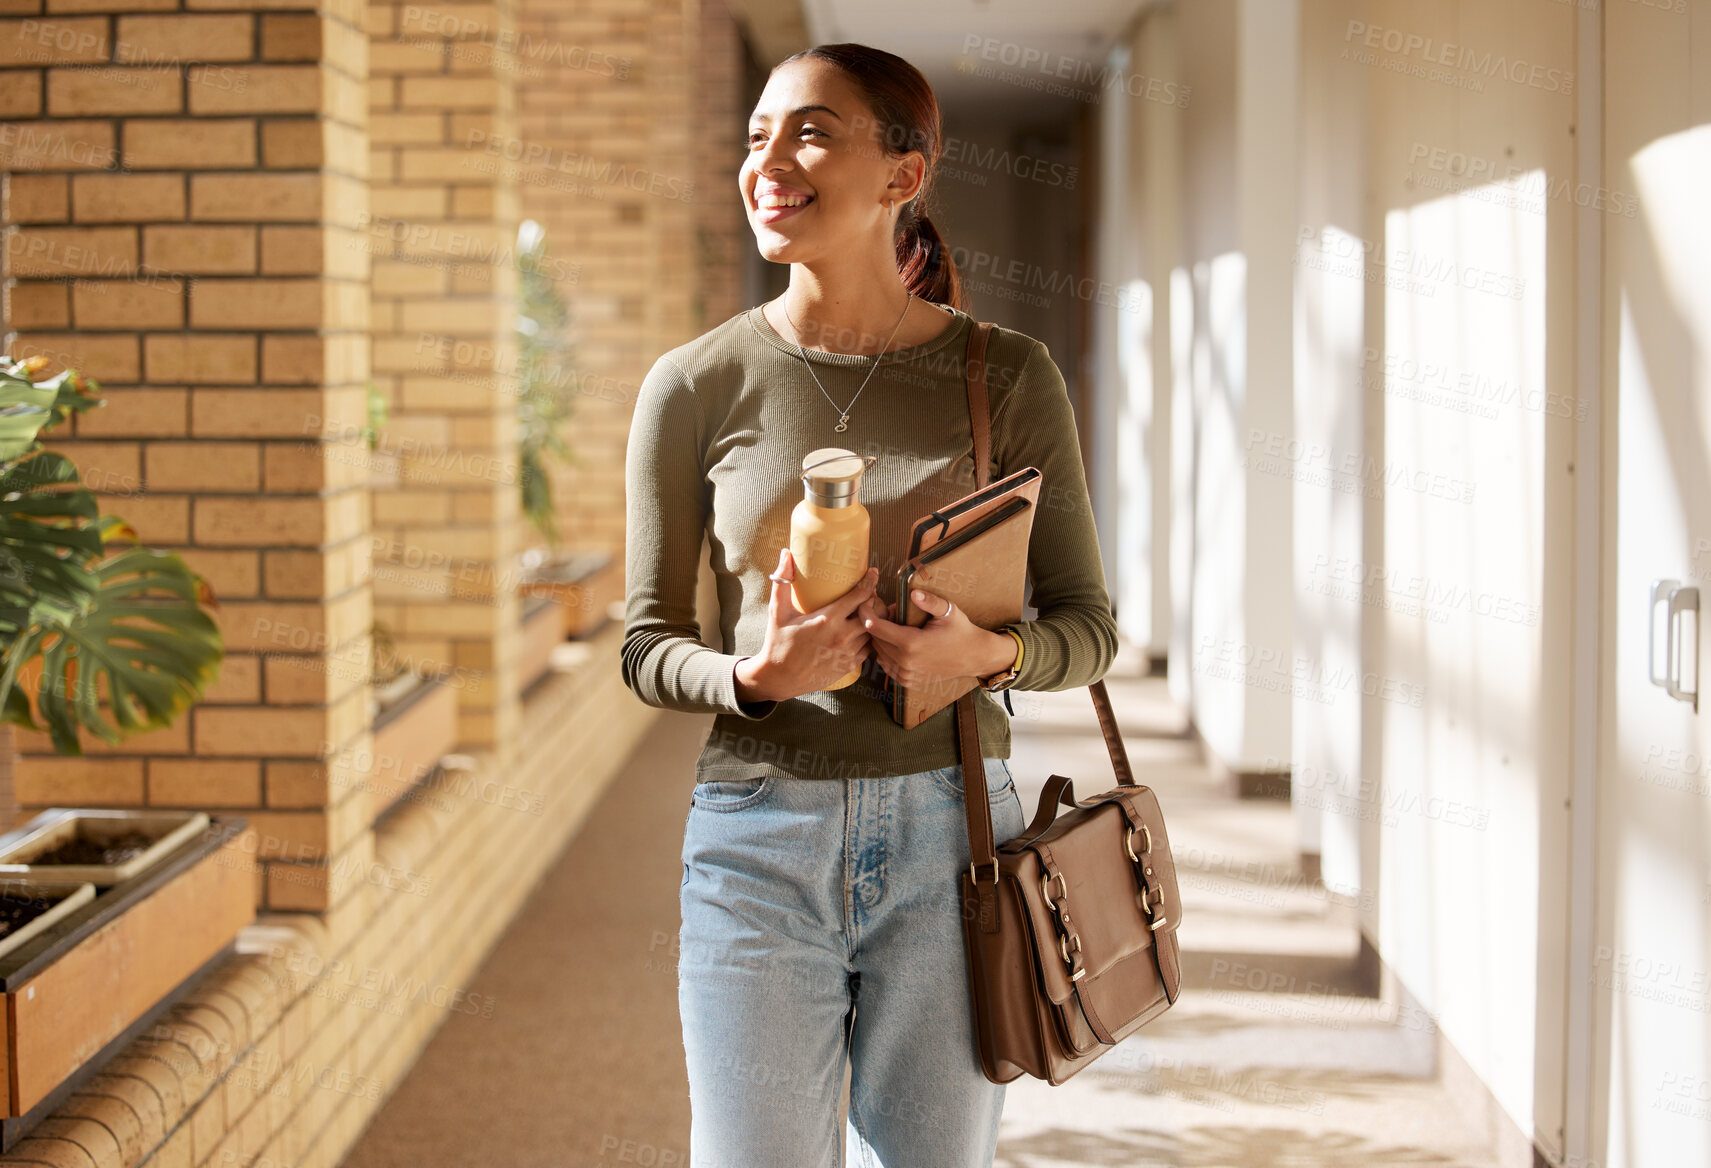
{"x": 804, "y": 652}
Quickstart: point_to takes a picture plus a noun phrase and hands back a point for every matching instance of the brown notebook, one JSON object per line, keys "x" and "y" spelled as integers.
{"x": 973, "y": 553}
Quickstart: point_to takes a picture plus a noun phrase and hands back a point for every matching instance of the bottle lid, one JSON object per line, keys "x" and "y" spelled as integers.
{"x": 831, "y": 475}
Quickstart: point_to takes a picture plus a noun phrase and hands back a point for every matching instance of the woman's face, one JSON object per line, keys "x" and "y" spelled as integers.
{"x": 811, "y": 137}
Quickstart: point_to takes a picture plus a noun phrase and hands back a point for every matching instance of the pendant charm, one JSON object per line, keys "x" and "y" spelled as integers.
{"x": 843, "y": 424}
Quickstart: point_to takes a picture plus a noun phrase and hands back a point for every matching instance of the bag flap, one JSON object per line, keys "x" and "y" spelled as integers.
{"x": 1103, "y": 901}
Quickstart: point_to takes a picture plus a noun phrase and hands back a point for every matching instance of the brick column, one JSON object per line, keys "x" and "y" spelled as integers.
{"x": 443, "y": 235}
{"x": 181, "y": 195}
{"x": 629, "y": 133}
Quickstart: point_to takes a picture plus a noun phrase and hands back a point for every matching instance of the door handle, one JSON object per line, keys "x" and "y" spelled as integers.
{"x": 1677, "y": 600}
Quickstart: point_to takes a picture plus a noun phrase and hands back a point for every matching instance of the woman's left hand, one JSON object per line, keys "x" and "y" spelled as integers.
{"x": 948, "y": 645}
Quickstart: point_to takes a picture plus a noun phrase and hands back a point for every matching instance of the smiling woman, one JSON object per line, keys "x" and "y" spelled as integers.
{"x": 824, "y": 841}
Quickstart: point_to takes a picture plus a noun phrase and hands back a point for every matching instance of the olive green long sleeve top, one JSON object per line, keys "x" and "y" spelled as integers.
{"x": 715, "y": 448}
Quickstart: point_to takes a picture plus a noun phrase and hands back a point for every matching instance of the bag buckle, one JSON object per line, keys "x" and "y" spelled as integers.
{"x": 1129, "y": 841}
{"x": 1063, "y": 949}
{"x": 1046, "y": 891}
{"x": 976, "y": 879}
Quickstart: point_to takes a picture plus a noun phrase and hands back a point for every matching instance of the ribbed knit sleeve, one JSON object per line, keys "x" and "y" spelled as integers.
{"x": 664, "y": 660}
{"x": 1073, "y": 641}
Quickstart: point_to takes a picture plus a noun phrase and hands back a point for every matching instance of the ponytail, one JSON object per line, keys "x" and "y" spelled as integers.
{"x": 925, "y": 262}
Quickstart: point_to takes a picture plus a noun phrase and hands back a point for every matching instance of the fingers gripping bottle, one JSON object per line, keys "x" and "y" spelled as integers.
{"x": 829, "y": 532}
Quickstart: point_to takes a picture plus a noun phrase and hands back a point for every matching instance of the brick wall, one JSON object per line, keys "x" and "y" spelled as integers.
{"x": 180, "y": 194}
{"x": 628, "y": 163}
{"x": 442, "y": 230}
{"x": 282, "y": 1053}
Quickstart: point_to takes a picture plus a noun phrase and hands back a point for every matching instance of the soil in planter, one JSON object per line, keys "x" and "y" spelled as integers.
{"x": 18, "y": 911}
{"x": 111, "y": 852}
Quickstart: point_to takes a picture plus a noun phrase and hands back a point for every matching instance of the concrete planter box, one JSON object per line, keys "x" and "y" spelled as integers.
{"x": 90, "y": 979}
{"x": 415, "y": 725}
{"x": 28, "y": 853}
{"x": 584, "y": 585}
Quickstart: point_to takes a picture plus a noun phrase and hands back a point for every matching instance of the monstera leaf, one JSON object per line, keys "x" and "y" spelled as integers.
{"x": 81, "y": 631}
{"x": 145, "y": 647}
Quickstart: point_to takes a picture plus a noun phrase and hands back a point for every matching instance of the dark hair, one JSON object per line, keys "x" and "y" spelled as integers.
{"x": 908, "y": 115}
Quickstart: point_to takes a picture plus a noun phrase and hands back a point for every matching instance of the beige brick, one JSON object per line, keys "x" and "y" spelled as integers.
{"x": 37, "y": 198}
{"x": 35, "y": 306}
{"x": 414, "y": 203}
{"x": 201, "y": 250}
{"x": 158, "y": 519}
{"x": 112, "y": 90}
{"x": 270, "y": 89}
{"x": 448, "y": 164}
{"x": 263, "y": 304}
{"x": 110, "y": 5}
{"x": 472, "y": 203}
{"x": 20, "y": 94}
{"x": 203, "y": 466}
{"x": 255, "y": 197}
{"x": 274, "y": 731}
{"x": 119, "y": 304}
{"x": 174, "y": 782}
{"x": 117, "y": 1117}
{"x": 292, "y": 145}
{"x": 415, "y": 56}
{"x": 294, "y": 360}
{"x": 70, "y": 251}
{"x": 127, "y": 198}
{"x": 386, "y": 129}
{"x": 252, "y": 413}
{"x": 159, "y": 40}
{"x": 67, "y": 145}
{"x": 234, "y": 575}
{"x": 290, "y": 37}
{"x": 295, "y": 466}
{"x": 448, "y": 93}
{"x": 137, "y": 413}
{"x": 194, "y": 144}
{"x": 267, "y": 4}
{"x": 397, "y": 278}
{"x": 109, "y": 358}
{"x": 91, "y": 782}
{"x": 54, "y": 42}
{"x": 239, "y": 681}
{"x": 200, "y": 360}
{"x": 292, "y": 251}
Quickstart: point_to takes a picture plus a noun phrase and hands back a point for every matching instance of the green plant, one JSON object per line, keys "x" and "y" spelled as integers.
{"x": 543, "y": 373}
{"x": 376, "y": 415}
{"x": 70, "y": 612}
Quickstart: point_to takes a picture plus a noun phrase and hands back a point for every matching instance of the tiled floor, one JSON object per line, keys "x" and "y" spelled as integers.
{"x": 1274, "y": 1056}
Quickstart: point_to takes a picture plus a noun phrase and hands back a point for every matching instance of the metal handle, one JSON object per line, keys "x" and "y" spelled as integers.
{"x": 1677, "y": 600}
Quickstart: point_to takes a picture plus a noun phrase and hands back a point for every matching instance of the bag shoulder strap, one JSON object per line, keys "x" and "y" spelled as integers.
{"x": 979, "y": 811}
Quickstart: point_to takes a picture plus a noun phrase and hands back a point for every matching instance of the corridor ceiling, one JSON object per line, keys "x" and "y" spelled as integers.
{"x": 996, "y": 52}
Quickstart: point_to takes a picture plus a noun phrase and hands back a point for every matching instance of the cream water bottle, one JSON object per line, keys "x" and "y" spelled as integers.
{"x": 829, "y": 532}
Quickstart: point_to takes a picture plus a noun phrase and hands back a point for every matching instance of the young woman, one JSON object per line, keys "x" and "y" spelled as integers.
{"x": 821, "y": 922}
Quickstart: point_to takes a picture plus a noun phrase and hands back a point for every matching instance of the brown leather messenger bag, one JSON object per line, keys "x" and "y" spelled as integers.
{"x": 1070, "y": 927}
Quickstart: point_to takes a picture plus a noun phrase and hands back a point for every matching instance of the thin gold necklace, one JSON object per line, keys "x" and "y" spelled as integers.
{"x": 844, "y": 414}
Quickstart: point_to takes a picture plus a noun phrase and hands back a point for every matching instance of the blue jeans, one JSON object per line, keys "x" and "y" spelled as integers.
{"x": 822, "y": 921}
